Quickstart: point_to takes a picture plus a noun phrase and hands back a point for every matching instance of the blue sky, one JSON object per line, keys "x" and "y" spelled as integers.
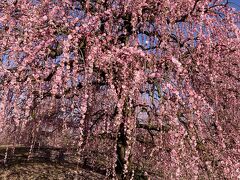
{"x": 235, "y": 3}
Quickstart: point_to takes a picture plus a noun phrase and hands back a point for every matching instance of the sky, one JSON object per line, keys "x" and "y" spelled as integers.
{"x": 235, "y": 3}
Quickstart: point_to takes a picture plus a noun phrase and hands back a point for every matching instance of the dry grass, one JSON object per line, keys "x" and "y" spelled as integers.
{"x": 45, "y": 171}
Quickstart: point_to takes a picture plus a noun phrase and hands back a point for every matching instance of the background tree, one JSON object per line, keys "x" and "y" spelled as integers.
{"x": 140, "y": 88}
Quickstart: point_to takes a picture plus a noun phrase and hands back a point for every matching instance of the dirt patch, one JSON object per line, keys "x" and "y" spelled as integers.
{"x": 46, "y": 171}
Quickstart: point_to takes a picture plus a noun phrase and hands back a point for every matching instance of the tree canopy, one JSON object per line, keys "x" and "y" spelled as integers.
{"x": 149, "y": 87}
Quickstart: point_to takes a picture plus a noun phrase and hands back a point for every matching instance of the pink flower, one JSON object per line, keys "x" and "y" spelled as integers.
{"x": 44, "y": 18}
{"x": 70, "y": 37}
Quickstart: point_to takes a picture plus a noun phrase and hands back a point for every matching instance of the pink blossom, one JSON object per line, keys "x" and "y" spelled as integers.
{"x": 165, "y": 109}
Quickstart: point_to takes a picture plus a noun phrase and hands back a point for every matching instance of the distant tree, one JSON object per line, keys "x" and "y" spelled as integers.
{"x": 151, "y": 87}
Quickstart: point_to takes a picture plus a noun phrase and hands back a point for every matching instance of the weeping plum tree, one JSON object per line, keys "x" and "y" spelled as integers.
{"x": 139, "y": 88}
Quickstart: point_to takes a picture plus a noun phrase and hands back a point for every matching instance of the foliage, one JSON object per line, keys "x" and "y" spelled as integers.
{"x": 151, "y": 85}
